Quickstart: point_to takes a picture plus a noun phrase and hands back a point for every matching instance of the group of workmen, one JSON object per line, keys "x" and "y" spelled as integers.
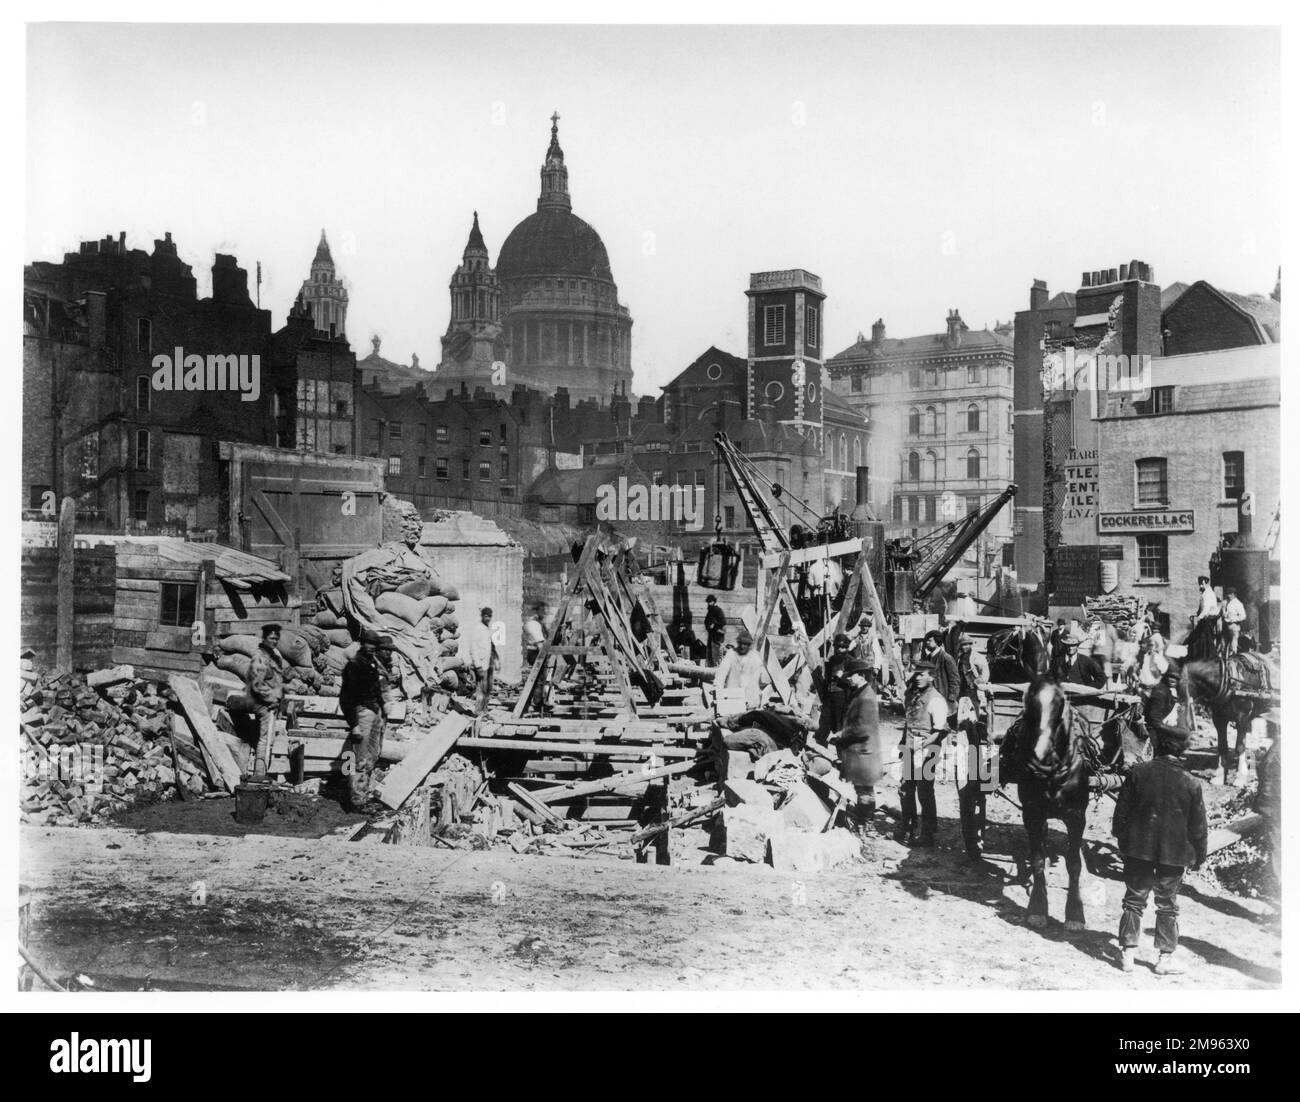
{"x": 946, "y": 697}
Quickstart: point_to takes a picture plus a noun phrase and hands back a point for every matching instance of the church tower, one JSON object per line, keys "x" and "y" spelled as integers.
{"x": 473, "y": 342}
{"x": 324, "y": 294}
{"x": 785, "y": 371}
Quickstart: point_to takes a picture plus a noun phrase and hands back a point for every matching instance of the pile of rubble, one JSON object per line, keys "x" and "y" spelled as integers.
{"x": 95, "y": 745}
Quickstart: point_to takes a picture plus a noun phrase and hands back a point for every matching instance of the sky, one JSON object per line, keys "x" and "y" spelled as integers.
{"x": 916, "y": 170}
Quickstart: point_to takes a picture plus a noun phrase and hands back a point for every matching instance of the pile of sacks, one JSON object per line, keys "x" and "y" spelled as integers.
{"x": 298, "y": 647}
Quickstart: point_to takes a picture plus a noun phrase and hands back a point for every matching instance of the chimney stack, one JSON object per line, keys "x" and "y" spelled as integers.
{"x": 878, "y": 331}
{"x": 1038, "y": 295}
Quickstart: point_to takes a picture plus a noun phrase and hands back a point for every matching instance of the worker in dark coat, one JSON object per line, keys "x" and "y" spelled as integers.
{"x": 1163, "y": 709}
{"x": 862, "y": 751}
{"x": 1071, "y": 666}
{"x": 831, "y": 688}
{"x": 715, "y": 629}
{"x": 361, "y": 700}
{"x": 1160, "y": 829}
{"x": 944, "y": 674}
{"x": 267, "y": 671}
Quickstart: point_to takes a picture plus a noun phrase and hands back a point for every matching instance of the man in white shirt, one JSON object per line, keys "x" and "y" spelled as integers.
{"x": 1234, "y": 615}
{"x": 743, "y": 669}
{"x": 1208, "y": 606}
{"x": 479, "y": 655}
{"x": 534, "y": 636}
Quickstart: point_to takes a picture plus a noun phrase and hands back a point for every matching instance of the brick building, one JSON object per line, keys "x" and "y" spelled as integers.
{"x": 939, "y": 407}
{"x": 1071, "y": 353}
{"x": 1173, "y": 474}
{"x": 95, "y": 427}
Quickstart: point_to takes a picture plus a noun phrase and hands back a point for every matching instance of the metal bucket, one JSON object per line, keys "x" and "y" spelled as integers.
{"x": 250, "y": 802}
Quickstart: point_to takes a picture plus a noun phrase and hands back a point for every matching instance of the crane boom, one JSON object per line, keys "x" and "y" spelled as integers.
{"x": 762, "y": 516}
{"x": 961, "y": 535}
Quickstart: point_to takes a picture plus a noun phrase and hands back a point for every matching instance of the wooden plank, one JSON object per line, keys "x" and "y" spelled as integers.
{"x": 137, "y": 585}
{"x": 610, "y": 784}
{"x": 528, "y": 800}
{"x": 169, "y": 639}
{"x": 614, "y": 749}
{"x": 156, "y": 660}
{"x": 190, "y": 698}
{"x": 421, "y": 760}
{"x": 809, "y": 554}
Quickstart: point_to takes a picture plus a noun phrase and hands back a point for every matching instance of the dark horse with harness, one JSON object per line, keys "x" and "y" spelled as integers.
{"x": 1057, "y": 758}
{"x": 1018, "y": 653}
{"x": 1237, "y": 689}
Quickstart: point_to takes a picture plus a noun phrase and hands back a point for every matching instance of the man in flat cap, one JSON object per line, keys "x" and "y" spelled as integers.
{"x": 1160, "y": 828}
{"x": 925, "y": 726}
{"x": 361, "y": 700}
{"x": 862, "y": 757}
{"x": 832, "y": 689}
{"x": 266, "y": 677}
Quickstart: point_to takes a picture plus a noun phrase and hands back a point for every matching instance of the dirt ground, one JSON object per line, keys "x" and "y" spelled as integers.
{"x": 180, "y": 897}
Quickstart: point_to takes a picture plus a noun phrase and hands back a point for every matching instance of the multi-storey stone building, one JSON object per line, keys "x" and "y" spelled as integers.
{"x": 938, "y": 408}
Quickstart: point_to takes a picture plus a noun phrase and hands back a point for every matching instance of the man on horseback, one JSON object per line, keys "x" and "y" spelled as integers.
{"x": 1234, "y": 616}
{"x": 925, "y": 726}
{"x": 1161, "y": 829}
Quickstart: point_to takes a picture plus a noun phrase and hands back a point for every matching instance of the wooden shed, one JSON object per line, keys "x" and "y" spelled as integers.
{"x": 167, "y": 588}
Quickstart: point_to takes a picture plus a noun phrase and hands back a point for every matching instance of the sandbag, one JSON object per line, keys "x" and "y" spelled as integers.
{"x": 391, "y": 623}
{"x": 450, "y": 592}
{"x": 449, "y": 646}
{"x": 449, "y": 622}
{"x": 409, "y": 609}
{"x": 332, "y": 599}
{"x": 435, "y": 605}
{"x": 240, "y": 644}
{"x": 450, "y": 662}
{"x": 316, "y": 638}
{"x": 417, "y": 588}
{"x": 325, "y": 619}
{"x": 234, "y": 663}
{"x": 339, "y": 637}
{"x": 335, "y": 659}
{"x": 450, "y": 681}
{"x": 293, "y": 647}
{"x": 435, "y": 624}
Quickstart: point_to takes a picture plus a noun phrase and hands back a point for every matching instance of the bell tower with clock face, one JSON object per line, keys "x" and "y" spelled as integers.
{"x": 785, "y": 348}
{"x": 473, "y": 341}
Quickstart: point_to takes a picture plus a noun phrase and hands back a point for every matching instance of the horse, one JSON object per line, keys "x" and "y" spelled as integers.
{"x": 1054, "y": 753}
{"x": 1018, "y": 653}
{"x": 1238, "y": 689}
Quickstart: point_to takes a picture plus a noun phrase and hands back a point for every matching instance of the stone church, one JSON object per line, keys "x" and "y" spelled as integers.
{"x": 548, "y": 315}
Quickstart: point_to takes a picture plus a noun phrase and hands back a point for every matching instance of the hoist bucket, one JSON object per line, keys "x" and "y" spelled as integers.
{"x": 719, "y": 566}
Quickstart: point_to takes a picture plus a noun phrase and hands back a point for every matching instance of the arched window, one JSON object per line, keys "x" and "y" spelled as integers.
{"x": 142, "y": 450}
{"x": 142, "y": 392}
{"x": 931, "y": 467}
{"x": 913, "y": 422}
{"x": 972, "y": 418}
{"x": 973, "y": 463}
{"x": 857, "y": 452}
{"x": 913, "y": 467}
{"x": 931, "y": 421}
{"x": 844, "y": 452}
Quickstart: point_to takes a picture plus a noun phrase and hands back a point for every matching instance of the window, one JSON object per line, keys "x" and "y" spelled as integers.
{"x": 394, "y": 464}
{"x": 913, "y": 507}
{"x": 913, "y": 467}
{"x": 913, "y": 422}
{"x": 142, "y": 392}
{"x": 844, "y": 452}
{"x": 972, "y": 504}
{"x": 932, "y": 507}
{"x": 143, "y": 335}
{"x": 973, "y": 463}
{"x": 440, "y": 433}
{"x": 504, "y": 438}
{"x": 914, "y": 378}
{"x": 855, "y": 384}
{"x": 340, "y": 408}
{"x": 420, "y": 468}
{"x": 972, "y": 418}
{"x": 729, "y": 515}
{"x": 394, "y": 431}
{"x": 485, "y": 471}
{"x": 810, "y": 325}
{"x": 464, "y": 469}
{"x": 440, "y": 468}
{"x": 178, "y": 603}
{"x": 699, "y": 476}
{"x": 1153, "y": 558}
{"x": 1234, "y": 475}
{"x": 773, "y": 325}
{"x": 931, "y": 377}
{"x": 1162, "y": 399}
{"x": 1152, "y": 481}
{"x": 505, "y": 464}
{"x": 931, "y": 421}
{"x": 931, "y": 467}
{"x": 142, "y": 450}
{"x": 1011, "y": 419}
{"x": 898, "y": 507}
{"x": 36, "y": 495}
{"x": 857, "y": 452}
{"x": 972, "y": 374}
{"x": 485, "y": 438}
{"x": 657, "y": 476}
